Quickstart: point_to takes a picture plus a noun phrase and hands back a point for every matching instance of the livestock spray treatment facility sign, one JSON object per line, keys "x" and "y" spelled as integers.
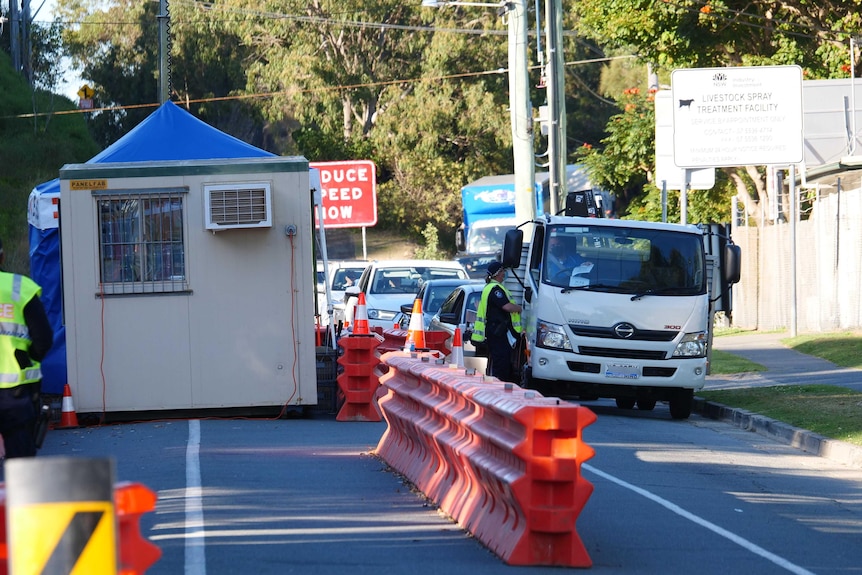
{"x": 349, "y": 193}
{"x": 745, "y": 116}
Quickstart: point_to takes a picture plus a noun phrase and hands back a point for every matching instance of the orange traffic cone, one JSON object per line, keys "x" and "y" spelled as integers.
{"x": 415, "y": 331}
{"x": 456, "y": 358}
{"x": 360, "y": 318}
{"x": 68, "y": 419}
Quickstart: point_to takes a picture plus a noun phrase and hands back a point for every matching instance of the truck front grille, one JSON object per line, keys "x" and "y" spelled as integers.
{"x": 621, "y": 353}
{"x": 608, "y": 333}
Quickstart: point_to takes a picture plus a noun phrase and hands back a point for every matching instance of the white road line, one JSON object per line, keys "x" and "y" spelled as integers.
{"x": 195, "y": 549}
{"x": 744, "y": 543}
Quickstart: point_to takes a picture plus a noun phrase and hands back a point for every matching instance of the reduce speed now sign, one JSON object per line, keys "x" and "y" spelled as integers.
{"x": 349, "y": 193}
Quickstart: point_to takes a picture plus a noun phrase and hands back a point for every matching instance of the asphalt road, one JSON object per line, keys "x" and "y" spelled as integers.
{"x": 307, "y": 496}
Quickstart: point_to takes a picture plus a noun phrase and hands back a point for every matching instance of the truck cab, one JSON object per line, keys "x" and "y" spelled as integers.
{"x": 617, "y": 309}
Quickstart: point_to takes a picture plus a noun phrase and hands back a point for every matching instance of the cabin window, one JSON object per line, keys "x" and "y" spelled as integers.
{"x": 141, "y": 241}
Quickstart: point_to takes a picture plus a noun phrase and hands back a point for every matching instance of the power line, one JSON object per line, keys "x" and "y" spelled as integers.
{"x": 188, "y": 101}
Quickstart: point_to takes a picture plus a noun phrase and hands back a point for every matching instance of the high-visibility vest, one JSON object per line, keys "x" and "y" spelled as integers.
{"x": 479, "y": 326}
{"x": 16, "y": 291}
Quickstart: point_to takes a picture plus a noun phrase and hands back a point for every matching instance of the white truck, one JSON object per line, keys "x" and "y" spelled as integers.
{"x": 631, "y": 319}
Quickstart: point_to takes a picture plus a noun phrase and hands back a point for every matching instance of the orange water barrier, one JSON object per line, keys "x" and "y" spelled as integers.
{"x": 503, "y": 461}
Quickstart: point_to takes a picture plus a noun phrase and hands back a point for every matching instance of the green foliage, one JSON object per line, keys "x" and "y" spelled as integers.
{"x": 431, "y": 250}
{"x": 829, "y": 410}
{"x": 840, "y": 348}
{"x": 36, "y": 140}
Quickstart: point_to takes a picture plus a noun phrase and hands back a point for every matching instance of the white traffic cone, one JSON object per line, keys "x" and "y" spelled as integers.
{"x": 415, "y": 331}
{"x": 456, "y": 357}
{"x": 360, "y": 318}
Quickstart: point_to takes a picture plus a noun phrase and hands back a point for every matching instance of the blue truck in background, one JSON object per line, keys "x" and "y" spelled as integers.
{"x": 488, "y": 212}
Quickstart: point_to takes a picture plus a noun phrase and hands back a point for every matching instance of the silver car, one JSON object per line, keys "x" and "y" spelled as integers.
{"x": 459, "y": 309}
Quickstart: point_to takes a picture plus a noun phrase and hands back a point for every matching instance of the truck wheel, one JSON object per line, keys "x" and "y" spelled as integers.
{"x": 680, "y": 404}
{"x": 625, "y": 403}
{"x": 646, "y": 404}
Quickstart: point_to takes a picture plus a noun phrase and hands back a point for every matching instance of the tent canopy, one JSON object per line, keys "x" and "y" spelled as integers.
{"x": 169, "y": 133}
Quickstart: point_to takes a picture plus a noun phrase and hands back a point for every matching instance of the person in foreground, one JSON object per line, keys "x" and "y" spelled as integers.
{"x": 25, "y": 337}
{"x": 497, "y": 316}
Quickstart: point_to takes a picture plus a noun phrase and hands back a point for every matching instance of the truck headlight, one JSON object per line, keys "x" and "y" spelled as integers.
{"x": 691, "y": 345}
{"x": 381, "y": 314}
{"x": 552, "y": 336}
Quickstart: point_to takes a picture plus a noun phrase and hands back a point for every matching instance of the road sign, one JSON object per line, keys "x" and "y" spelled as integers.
{"x": 349, "y": 193}
{"x": 674, "y": 178}
{"x": 740, "y": 116}
{"x": 86, "y": 92}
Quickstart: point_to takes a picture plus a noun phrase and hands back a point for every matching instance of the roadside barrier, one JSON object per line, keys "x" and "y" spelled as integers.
{"x": 137, "y": 554}
{"x": 47, "y": 508}
{"x": 396, "y": 340}
{"x": 504, "y": 462}
{"x": 359, "y": 380}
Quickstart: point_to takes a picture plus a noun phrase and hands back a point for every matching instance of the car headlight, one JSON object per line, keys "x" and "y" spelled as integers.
{"x": 691, "y": 345}
{"x": 552, "y": 336}
{"x": 381, "y": 314}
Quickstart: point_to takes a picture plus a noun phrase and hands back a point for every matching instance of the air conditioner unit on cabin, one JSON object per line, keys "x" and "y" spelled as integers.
{"x": 238, "y": 206}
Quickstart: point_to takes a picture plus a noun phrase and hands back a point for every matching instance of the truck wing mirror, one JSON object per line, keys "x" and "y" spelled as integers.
{"x": 732, "y": 263}
{"x": 460, "y": 240}
{"x": 512, "y": 248}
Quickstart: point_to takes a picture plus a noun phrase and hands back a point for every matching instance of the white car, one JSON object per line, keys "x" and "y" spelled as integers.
{"x": 388, "y": 285}
{"x": 342, "y": 274}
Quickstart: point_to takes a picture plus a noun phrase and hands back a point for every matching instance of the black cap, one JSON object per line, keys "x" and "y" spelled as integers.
{"x": 493, "y": 268}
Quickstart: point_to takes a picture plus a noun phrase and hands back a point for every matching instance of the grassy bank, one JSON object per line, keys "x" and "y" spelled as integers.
{"x": 831, "y": 411}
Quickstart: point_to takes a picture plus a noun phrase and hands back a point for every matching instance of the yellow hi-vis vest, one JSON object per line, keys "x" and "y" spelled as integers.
{"x": 479, "y": 326}
{"x": 16, "y": 291}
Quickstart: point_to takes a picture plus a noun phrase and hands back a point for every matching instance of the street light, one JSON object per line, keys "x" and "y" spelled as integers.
{"x": 521, "y": 109}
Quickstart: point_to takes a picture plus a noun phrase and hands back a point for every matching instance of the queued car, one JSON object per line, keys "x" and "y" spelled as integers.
{"x": 342, "y": 274}
{"x": 432, "y": 294}
{"x": 459, "y": 310}
{"x": 389, "y": 284}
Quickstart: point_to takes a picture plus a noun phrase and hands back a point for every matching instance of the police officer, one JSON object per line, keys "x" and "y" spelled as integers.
{"x": 25, "y": 338}
{"x": 497, "y": 315}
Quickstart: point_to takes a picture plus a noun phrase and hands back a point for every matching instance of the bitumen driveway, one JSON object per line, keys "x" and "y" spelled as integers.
{"x": 784, "y": 366}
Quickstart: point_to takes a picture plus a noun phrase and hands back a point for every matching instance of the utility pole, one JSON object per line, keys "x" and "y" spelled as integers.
{"x": 521, "y": 109}
{"x": 556, "y": 91}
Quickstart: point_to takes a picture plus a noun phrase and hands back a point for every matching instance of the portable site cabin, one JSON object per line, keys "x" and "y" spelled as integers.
{"x": 169, "y": 133}
{"x": 187, "y": 284}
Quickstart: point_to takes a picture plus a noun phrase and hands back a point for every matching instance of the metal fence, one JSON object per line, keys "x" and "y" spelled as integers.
{"x": 816, "y": 289}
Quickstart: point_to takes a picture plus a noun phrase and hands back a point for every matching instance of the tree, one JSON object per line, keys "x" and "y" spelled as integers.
{"x": 116, "y": 47}
{"x": 689, "y": 33}
{"x": 374, "y": 78}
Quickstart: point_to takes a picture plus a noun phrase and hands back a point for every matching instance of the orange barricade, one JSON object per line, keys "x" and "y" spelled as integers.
{"x": 502, "y": 461}
{"x": 4, "y": 549}
{"x": 358, "y": 381}
{"x": 136, "y": 553}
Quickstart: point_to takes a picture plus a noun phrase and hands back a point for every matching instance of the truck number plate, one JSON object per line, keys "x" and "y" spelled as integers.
{"x": 621, "y": 371}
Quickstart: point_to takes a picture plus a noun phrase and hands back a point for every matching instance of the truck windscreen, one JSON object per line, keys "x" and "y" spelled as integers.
{"x": 622, "y": 260}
